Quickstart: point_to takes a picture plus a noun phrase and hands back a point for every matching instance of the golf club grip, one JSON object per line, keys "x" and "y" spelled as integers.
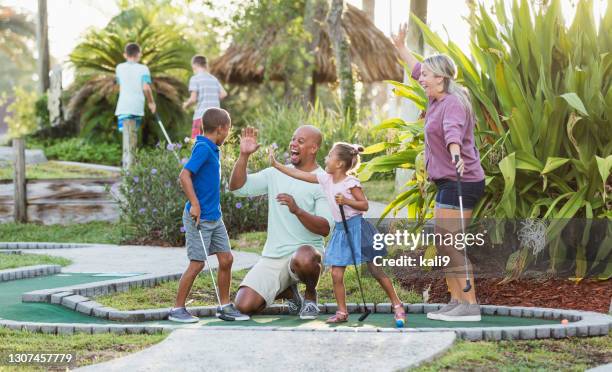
{"x": 458, "y": 176}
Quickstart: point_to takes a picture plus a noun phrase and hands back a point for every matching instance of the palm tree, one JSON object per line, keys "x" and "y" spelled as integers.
{"x": 164, "y": 51}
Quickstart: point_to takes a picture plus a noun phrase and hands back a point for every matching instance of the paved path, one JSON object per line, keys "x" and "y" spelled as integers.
{"x": 197, "y": 349}
{"x": 134, "y": 259}
{"x": 376, "y": 209}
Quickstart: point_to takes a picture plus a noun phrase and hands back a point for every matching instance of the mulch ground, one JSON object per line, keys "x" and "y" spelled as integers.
{"x": 589, "y": 294}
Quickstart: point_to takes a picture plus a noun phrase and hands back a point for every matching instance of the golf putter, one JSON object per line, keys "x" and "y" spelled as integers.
{"x": 210, "y": 270}
{"x": 468, "y": 285}
{"x": 161, "y": 125}
{"x": 366, "y": 311}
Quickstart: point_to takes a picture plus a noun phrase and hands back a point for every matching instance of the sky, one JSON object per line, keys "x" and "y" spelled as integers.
{"x": 69, "y": 19}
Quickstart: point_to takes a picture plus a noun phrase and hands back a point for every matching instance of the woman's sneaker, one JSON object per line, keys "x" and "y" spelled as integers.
{"x": 448, "y": 307}
{"x": 295, "y": 304}
{"x": 181, "y": 315}
{"x": 462, "y": 313}
{"x": 310, "y": 310}
{"x": 229, "y": 312}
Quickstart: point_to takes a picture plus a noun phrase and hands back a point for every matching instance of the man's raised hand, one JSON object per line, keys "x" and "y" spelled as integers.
{"x": 248, "y": 141}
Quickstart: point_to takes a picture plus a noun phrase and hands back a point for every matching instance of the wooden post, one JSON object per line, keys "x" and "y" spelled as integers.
{"x": 129, "y": 142}
{"x": 42, "y": 39}
{"x": 19, "y": 181}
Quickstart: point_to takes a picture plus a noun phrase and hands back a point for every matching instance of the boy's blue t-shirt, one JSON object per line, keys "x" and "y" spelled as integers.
{"x": 131, "y": 76}
{"x": 205, "y": 167}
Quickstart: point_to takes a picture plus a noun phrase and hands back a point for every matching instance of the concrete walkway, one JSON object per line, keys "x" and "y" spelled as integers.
{"x": 197, "y": 349}
{"x": 134, "y": 259}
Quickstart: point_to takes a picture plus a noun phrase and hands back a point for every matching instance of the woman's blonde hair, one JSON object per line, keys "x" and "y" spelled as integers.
{"x": 443, "y": 66}
{"x": 348, "y": 154}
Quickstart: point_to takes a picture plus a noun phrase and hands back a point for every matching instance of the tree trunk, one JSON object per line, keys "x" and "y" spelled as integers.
{"x": 314, "y": 15}
{"x": 19, "y": 181}
{"x": 342, "y": 55}
{"x": 415, "y": 36}
{"x": 368, "y": 7}
{"x": 42, "y": 39}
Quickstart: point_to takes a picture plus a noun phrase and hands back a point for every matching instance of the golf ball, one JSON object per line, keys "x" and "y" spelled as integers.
{"x": 564, "y": 321}
{"x": 399, "y": 323}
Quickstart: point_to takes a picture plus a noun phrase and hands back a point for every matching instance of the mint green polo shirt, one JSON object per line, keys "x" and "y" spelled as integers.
{"x": 285, "y": 231}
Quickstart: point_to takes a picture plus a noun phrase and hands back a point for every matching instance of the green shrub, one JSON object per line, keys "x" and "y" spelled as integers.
{"x": 152, "y": 202}
{"x": 78, "y": 149}
{"x": 277, "y": 122}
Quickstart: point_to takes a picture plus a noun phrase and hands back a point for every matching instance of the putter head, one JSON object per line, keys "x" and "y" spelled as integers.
{"x": 364, "y": 315}
{"x": 468, "y": 286}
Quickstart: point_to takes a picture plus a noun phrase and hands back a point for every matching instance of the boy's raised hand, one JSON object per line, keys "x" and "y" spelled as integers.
{"x": 248, "y": 141}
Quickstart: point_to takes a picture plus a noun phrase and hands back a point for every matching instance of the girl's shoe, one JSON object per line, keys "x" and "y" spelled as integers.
{"x": 400, "y": 314}
{"x": 339, "y": 317}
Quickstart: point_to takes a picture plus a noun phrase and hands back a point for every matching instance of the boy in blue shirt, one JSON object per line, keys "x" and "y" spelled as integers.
{"x": 134, "y": 81}
{"x": 201, "y": 182}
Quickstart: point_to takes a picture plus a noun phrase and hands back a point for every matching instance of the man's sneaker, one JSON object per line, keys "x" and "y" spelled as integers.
{"x": 229, "y": 312}
{"x": 462, "y": 313}
{"x": 448, "y": 307}
{"x": 181, "y": 315}
{"x": 295, "y": 304}
{"x": 310, "y": 310}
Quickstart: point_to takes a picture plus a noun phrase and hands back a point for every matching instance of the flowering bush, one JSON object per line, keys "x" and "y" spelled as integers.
{"x": 152, "y": 201}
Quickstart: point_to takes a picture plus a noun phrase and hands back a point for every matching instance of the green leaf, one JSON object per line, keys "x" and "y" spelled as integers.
{"x": 604, "y": 166}
{"x": 575, "y": 101}
{"x": 553, "y": 163}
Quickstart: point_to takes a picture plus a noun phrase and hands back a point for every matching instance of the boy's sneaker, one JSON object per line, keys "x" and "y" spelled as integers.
{"x": 310, "y": 310}
{"x": 229, "y": 312}
{"x": 448, "y": 307}
{"x": 462, "y": 313}
{"x": 181, "y": 315}
{"x": 295, "y": 304}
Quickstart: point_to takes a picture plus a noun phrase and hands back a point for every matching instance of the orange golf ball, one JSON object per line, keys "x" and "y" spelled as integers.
{"x": 564, "y": 321}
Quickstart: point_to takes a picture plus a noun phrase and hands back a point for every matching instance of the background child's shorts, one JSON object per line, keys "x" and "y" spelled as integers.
{"x": 121, "y": 118}
{"x": 361, "y": 233}
{"x": 214, "y": 234}
{"x": 196, "y": 127}
{"x": 270, "y": 277}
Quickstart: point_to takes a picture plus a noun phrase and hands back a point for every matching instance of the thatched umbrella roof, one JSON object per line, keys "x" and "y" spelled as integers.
{"x": 373, "y": 55}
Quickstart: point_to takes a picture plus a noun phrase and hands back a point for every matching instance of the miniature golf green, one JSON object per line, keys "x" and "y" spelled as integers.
{"x": 12, "y": 308}
{"x": 376, "y": 321}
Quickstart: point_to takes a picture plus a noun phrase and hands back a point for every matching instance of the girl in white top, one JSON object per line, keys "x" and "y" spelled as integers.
{"x": 344, "y": 189}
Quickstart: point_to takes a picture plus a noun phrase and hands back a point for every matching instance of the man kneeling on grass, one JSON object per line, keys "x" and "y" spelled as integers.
{"x": 201, "y": 181}
{"x": 298, "y": 219}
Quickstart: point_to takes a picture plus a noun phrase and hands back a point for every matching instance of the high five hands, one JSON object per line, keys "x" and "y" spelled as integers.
{"x": 248, "y": 141}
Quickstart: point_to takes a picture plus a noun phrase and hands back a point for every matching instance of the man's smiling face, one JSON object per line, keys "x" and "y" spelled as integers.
{"x": 304, "y": 144}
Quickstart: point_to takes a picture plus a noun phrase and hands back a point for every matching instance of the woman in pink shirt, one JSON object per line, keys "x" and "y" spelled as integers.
{"x": 449, "y": 135}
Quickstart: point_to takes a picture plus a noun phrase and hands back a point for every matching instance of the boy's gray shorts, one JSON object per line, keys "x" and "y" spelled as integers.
{"x": 214, "y": 234}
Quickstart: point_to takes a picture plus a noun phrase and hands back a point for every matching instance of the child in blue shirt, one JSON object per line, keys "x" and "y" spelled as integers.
{"x": 201, "y": 182}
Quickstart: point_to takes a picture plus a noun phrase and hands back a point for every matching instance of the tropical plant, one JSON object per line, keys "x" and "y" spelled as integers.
{"x": 542, "y": 95}
{"x": 164, "y": 51}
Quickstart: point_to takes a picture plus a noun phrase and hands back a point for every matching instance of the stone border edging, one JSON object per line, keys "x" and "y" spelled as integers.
{"x": 45, "y": 245}
{"x": 25, "y": 272}
{"x": 77, "y": 297}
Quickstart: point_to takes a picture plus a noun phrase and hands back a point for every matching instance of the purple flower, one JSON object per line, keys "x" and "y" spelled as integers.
{"x": 131, "y": 191}
{"x": 135, "y": 179}
{"x": 178, "y": 146}
{"x": 239, "y": 205}
{"x": 182, "y": 229}
{"x": 184, "y": 161}
{"x": 170, "y": 147}
{"x": 274, "y": 146}
{"x": 154, "y": 210}
{"x": 153, "y": 171}
{"x": 142, "y": 210}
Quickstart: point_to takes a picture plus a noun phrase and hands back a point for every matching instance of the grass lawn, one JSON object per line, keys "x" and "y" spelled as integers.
{"x": 572, "y": 354}
{"x": 11, "y": 261}
{"x": 380, "y": 190}
{"x": 91, "y": 232}
{"x": 202, "y": 293}
{"x": 249, "y": 242}
{"x": 89, "y": 349}
{"x": 54, "y": 169}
